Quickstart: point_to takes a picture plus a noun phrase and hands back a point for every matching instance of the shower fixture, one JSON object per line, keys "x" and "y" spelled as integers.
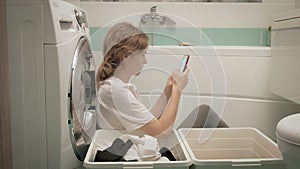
{"x": 154, "y": 17}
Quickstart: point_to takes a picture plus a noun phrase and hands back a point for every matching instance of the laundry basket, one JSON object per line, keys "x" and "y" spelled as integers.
{"x": 231, "y": 148}
{"x": 171, "y": 141}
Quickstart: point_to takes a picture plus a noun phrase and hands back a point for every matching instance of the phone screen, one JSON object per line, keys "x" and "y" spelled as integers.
{"x": 184, "y": 62}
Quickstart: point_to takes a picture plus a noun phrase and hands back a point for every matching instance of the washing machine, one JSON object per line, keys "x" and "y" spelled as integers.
{"x": 52, "y": 84}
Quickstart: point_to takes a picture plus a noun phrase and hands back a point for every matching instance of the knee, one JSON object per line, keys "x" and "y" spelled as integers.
{"x": 204, "y": 107}
{"x": 203, "y": 110}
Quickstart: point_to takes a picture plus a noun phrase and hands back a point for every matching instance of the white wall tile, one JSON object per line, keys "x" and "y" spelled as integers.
{"x": 22, "y": 2}
{"x": 101, "y": 14}
{"x": 270, "y": 10}
{"x": 278, "y": 1}
{"x": 225, "y": 15}
{"x": 74, "y": 2}
{"x": 210, "y": 15}
{"x": 297, "y": 4}
{"x": 206, "y": 15}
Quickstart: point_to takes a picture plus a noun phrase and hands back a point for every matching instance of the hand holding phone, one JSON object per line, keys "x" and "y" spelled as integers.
{"x": 184, "y": 63}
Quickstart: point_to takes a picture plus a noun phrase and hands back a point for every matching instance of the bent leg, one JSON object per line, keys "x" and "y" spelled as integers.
{"x": 203, "y": 117}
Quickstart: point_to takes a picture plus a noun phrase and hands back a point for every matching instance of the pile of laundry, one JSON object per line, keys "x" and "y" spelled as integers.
{"x": 133, "y": 148}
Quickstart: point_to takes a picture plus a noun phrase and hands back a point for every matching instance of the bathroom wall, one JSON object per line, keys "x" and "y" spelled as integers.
{"x": 231, "y": 28}
{"x": 230, "y": 24}
{"x": 297, "y": 4}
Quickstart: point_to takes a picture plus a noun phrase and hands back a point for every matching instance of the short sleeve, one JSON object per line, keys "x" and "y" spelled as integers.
{"x": 130, "y": 111}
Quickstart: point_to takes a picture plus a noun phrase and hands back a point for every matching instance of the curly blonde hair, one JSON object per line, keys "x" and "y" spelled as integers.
{"x": 122, "y": 40}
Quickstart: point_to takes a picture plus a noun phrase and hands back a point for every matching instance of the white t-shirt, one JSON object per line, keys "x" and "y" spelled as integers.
{"x": 120, "y": 106}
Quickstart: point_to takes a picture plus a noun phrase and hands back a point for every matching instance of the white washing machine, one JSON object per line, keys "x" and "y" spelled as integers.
{"x": 52, "y": 84}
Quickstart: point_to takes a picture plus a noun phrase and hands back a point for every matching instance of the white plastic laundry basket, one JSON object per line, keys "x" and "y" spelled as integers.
{"x": 231, "y": 148}
{"x": 171, "y": 141}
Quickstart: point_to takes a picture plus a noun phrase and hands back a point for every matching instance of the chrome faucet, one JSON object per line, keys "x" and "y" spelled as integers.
{"x": 153, "y": 9}
{"x": 154, "y": 17}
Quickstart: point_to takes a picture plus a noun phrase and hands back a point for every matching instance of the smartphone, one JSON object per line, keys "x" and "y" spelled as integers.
{"x": 184, "y": 62}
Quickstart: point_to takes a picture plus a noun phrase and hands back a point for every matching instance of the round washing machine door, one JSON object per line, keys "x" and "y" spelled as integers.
{"x": 82, "y": 99}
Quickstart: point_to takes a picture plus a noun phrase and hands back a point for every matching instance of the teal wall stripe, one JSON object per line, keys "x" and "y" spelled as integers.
{"x": 231, "y": 36}
{"x": 97, "y": 36}
{"x": 266, "y": 37}
{"x": 173, "y": 36}
{"x": 196, "y": 36}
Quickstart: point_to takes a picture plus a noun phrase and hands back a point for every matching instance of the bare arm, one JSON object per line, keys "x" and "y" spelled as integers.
{"x": 159, "y": 106}
{"x": 162, "y": 101}
{"x": 167, "y": 119}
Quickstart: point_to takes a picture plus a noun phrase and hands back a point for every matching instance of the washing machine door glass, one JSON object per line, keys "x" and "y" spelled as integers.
{"x": 82, "y": 99}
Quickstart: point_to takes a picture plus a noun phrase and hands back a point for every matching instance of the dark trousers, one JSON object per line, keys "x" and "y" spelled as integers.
{"x": 203, "y": 116}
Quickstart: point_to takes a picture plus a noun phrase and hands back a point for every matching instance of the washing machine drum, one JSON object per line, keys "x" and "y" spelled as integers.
{"x": 82, "y": 99}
